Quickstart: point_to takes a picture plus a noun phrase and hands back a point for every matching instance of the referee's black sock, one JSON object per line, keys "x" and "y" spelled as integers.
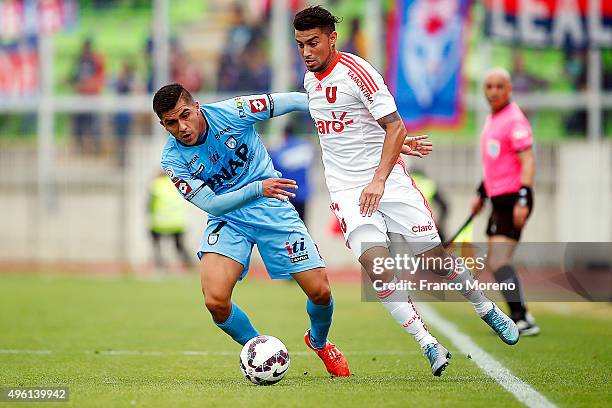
{"x": 514, "y": 298}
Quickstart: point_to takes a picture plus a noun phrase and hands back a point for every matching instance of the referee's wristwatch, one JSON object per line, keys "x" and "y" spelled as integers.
{"x": 525, "y": 195}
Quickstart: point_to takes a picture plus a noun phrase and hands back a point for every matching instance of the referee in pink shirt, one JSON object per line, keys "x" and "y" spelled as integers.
{"x": 509, "y": 168}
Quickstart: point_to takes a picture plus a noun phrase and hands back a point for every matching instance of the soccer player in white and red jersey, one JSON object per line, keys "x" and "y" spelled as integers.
{"x": 509, "y": 169}
{"x": 374, "y": 198}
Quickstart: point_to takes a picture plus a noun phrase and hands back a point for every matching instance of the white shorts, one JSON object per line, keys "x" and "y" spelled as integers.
{"x": 403, "y": 211}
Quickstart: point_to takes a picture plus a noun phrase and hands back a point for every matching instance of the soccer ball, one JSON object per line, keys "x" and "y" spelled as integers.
{"x": 264, "y": 360}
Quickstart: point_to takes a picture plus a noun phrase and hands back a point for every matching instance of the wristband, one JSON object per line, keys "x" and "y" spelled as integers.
{"x": 481, "y": 191}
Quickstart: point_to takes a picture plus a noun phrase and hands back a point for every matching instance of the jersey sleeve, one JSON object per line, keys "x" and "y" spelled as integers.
{"x": 520, "y": 135}
{"x": 255, "y": 108}
{"x": 199, "y": 194}
{"x": 371, "y": 87}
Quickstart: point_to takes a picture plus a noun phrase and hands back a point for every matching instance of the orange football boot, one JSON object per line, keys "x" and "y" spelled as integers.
{"x": 333, "y": 358}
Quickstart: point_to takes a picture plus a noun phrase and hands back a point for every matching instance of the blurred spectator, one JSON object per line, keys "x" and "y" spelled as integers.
{"x": 184, "y": 71}
{"x": 356, "y": 41}
{"x": 293, "y": 158}
{"x": 523, "y": 81}
{"x": 126, "y": 83}
{"x": 576, "y": 70}
{"x": 237, "y": 51}
{"x": 167, "y": 218}
{"x": 88, "y": 79}
{"x": 254, "y": 70}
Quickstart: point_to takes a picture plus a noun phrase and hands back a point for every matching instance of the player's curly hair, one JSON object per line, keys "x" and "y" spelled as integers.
{"x": 167, "y": 97}
{"x": 315, "y": 17}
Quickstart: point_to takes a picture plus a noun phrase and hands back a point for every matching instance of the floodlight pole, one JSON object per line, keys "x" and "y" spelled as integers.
{"x": 594, "y": 95}
{"x": 282, "y": 60}
{"x": 45, "y": 121}
{"x": 161, "y": 46}
{"x": 376, "y": 44}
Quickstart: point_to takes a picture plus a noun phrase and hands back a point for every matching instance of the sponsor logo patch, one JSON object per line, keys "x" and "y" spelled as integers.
{"x": 362, "y": 86}
{"x": 258, "y": 105}
{"x": 239, "y": 160}
{"x": 169, "y": 172}
{"x": 423, "y": 228}
{"x": 221, "y": 133}
{"x": 520, "y": 134}
{"x": 193, "y": 160}
{"x": 182, "y": 186}
{"x": 296, "y": 250}
{"x": 240, "y": 107}
{"x": 213, "y": 155}
{"x": 337, "y": 125}
{"x": 198, "y": 171}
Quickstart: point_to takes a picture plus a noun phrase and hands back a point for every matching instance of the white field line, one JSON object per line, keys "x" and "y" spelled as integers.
{"x": 522, "y": 391}
{"x": 373, "y": 353}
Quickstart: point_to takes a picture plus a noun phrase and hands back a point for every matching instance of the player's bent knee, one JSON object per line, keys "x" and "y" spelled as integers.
{"x": 322, "y": 296}
{"x": 219, "y": 309}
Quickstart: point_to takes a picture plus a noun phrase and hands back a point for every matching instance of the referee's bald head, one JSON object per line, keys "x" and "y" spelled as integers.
{"x": 497, "y": 88}
{"x": 498, "y": 72}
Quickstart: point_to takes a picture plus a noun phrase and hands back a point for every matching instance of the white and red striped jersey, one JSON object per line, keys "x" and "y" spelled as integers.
{"x": 345, "y": 102}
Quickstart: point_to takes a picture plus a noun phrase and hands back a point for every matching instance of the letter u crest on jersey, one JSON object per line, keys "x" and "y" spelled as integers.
{"x": 330, "y": 93}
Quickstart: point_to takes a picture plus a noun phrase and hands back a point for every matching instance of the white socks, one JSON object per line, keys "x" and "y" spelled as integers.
{"x": 463, "y": 276}
{"x": 403, "y": 311}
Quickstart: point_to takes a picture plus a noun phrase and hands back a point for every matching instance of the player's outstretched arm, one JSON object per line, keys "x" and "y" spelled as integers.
{"x": 220, "y": 204}
{"x": 255, "y": 108}
{"x": 286, "y": 102}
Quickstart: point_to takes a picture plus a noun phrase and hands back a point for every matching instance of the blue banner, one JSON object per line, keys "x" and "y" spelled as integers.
{"x": 426, "y": 47}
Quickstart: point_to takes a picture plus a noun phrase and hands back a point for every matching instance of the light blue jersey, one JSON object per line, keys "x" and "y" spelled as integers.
{"x": 227, "y": 166}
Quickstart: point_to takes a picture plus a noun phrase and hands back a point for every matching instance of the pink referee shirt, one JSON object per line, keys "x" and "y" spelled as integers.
{"x": 505, "y": 133}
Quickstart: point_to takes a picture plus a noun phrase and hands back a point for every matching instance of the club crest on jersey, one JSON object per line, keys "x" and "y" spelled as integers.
{"x": 258, "y": 105}
{"x": 213, "y": 238}
{"x": 493, "y": 148}
{"x": 330, "y": 93}
{"x": 231, "y": 142}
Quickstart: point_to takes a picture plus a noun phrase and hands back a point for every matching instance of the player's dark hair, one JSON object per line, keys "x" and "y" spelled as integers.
{"x": 315, "y": 17}
{"x": 167, "y": 97}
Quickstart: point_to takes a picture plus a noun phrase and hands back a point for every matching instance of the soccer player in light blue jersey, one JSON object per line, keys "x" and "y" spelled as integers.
{"x": 217, "y": 161}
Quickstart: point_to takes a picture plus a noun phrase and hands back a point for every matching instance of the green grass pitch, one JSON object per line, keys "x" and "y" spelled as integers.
{"x": 122, "y": 342}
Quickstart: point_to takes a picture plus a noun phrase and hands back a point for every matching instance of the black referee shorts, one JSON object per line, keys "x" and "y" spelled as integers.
{"x": 501, "y": 221}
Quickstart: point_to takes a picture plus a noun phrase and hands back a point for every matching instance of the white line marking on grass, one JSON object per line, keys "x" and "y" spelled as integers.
{"x": 12, "y": 351}
{"x": 196, "y": 353}
{"x": 522, "y": 391}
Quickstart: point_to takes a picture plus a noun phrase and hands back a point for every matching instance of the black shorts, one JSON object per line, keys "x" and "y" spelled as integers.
{"x": 501, "y": 221}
